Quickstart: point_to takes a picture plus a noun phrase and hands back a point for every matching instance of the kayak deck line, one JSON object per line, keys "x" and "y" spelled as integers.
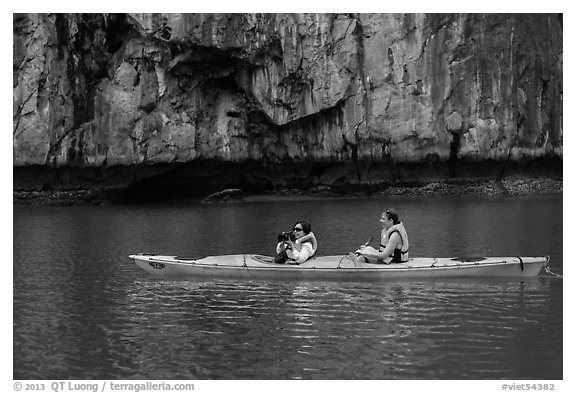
{"x": 391, "y": 266}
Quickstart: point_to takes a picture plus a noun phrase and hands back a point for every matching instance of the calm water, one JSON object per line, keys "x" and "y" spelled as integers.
{"x": 83, "y": 311}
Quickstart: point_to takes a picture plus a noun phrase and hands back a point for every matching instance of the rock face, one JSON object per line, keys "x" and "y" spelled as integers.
{"x": 109, "y": 99}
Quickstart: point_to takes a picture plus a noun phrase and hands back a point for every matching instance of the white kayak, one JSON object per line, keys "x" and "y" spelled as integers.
{"x": 338, "y": 267}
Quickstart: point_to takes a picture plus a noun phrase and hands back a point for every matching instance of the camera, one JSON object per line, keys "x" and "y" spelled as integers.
{"x": 285, "y": 236}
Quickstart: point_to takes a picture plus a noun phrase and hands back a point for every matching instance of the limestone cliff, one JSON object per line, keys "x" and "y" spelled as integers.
{"x": 270, "y": 100}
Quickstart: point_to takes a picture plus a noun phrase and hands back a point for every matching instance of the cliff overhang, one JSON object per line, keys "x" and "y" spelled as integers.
{"x": 114, "y": 101}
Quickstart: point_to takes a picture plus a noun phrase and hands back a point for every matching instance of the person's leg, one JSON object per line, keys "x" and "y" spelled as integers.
{"x": 372, "y": 259}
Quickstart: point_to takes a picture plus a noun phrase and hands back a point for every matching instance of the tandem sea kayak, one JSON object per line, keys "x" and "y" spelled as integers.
{"x": 337, "y": 267}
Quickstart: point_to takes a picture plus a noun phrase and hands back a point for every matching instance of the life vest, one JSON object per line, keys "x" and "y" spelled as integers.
{"x": 404, "y": 251}
{"x": 313, "y": 242}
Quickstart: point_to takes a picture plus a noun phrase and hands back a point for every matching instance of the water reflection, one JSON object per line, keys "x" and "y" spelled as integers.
{"x": 396, "y": 327}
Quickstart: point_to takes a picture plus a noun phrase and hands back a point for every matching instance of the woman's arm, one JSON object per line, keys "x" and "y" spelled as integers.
{"x": 279, "y": 247}
{"x": 388, "y": 250}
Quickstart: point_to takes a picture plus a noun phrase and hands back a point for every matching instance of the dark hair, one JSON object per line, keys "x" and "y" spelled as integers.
{"x": 306, "y": 227}
{"x": 393, "y": 215}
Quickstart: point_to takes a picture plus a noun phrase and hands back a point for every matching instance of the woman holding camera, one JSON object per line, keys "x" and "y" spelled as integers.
{"x": 300, "y": 246}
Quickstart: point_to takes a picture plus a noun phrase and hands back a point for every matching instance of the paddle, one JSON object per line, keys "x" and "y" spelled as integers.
{"x": 354, "y": 255}
{"x": 365, "y": 244}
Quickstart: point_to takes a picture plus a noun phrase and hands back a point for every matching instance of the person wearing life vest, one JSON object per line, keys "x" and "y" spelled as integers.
{"x": 297, "y": 248}
{"x": 394, "y": 246}
{"x": 305, "y": 245}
